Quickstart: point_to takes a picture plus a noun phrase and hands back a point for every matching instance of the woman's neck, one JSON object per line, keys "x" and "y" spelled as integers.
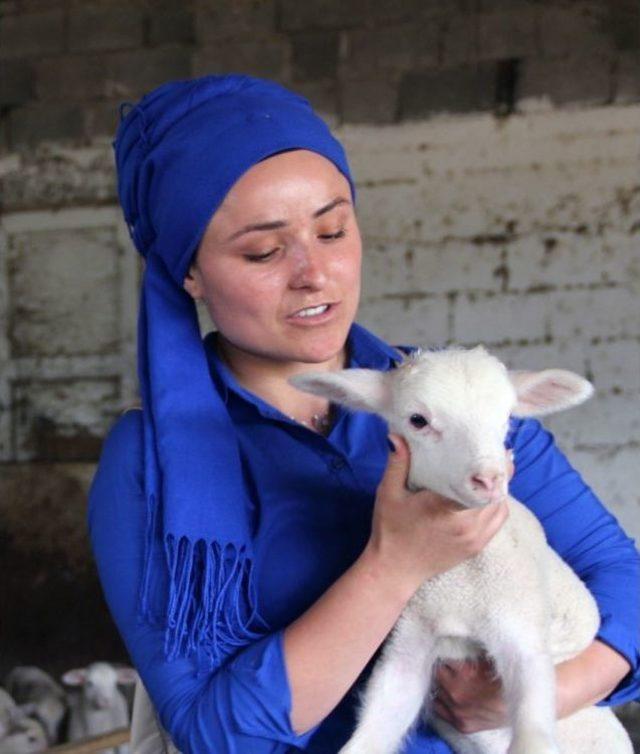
{"x": 268, "y": 379}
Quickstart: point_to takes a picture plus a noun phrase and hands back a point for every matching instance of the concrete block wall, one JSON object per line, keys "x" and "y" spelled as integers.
{"x": 67, "y": 64}
{"x": 68, "y": 298}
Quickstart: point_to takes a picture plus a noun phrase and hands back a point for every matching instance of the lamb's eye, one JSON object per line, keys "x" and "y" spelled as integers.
{"x": 418, "y": 421}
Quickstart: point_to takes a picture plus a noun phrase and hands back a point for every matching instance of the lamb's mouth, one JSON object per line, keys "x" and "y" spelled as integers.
{"x": 465, "y": 499}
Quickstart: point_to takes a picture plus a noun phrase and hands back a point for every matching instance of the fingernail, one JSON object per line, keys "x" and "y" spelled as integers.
{"x": 392, "y": 447}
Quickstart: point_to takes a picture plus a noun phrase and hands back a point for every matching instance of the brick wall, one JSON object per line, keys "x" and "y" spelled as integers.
{"x": 495, "y": 150}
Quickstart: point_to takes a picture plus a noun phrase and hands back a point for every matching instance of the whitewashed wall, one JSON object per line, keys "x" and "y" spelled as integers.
{"x": 521, "y": 234}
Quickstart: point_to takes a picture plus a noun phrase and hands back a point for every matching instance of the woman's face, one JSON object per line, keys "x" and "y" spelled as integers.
{"x": 258, "y": 283}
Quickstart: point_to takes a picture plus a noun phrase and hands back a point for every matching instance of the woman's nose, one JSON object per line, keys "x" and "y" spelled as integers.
{"x": 308, "y": 270}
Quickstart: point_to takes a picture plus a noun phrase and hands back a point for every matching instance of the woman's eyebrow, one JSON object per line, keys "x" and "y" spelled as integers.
{"x": 338, "y": 200}
{"x": 282, "y": 223}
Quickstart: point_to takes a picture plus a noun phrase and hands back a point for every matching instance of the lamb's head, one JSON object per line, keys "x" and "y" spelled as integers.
{"x": 452, "y": 407}
{"x": 98, "y": 682}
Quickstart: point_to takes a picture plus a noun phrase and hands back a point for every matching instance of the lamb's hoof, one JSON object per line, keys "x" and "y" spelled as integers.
{"x": 533, "y": 743}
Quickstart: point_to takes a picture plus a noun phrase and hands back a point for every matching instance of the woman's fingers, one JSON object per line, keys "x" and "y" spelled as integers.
{"x": 510, "y": 465}
{"x": 480, "y": 525}
{"x": 442, "y": 711}
{"x": 469, "y": 695}
{"x": 394, "y": 479}
{"x": 487, "y": 516}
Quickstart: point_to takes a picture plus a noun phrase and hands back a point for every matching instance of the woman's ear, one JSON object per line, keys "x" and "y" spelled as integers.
{"x": 192, "y": 282}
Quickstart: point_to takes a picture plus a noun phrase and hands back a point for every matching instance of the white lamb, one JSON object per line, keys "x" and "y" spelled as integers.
{"x": 39, "y": 696}
{"x": 7, "y": 712}
{"x": 516, "y": 601}
{"x": 19, "y": 734}
{"x": 99, "y": 707}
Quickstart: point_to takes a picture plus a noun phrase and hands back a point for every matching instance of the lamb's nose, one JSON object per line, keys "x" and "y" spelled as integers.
{"x": 487, "y": 482}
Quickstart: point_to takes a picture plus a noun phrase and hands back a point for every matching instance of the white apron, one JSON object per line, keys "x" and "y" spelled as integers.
{"x": 147, "y": 735}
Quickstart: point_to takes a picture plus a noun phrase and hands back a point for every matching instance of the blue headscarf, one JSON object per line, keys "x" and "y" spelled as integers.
{"x": 178, "y": 152}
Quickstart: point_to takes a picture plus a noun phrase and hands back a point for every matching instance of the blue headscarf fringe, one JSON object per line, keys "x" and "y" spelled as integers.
{"x": 212, "y": 601}
{"x": 215, "y": 620}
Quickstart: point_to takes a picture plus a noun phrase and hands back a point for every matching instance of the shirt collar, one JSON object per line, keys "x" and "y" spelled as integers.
{"x": 365, "y": 350}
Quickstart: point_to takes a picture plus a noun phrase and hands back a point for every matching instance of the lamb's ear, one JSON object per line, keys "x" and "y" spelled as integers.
{"x": 75, "y": 677}
{"x": 126, "y": 676}
{"x": 547, "y": 391}
{"x": 359, "y": 389}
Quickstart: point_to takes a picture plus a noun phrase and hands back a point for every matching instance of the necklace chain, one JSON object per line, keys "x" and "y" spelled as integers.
{"x": 319, "y": 422}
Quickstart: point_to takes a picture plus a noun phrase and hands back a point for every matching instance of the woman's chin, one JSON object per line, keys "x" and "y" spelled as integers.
{"x": 319, "y": 357}
{"x": 311, "y": 347}
{"x": 329, "y": 349}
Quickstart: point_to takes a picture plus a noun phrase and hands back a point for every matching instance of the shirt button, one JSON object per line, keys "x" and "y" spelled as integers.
{"x": 337, "y": 464}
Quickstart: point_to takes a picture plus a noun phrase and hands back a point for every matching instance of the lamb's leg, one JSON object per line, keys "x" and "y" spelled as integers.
{"x": 528, "y": 679}
{"x": 396, "y": 691}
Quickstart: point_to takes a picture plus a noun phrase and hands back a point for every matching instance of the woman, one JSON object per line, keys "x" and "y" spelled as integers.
{"x": 256, "y": 545}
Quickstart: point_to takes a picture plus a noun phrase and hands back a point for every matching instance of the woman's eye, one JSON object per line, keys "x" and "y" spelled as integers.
{"x": 260, "y": 257}
{"x": 418, "y": 421}
{"x": 333, "y": 236}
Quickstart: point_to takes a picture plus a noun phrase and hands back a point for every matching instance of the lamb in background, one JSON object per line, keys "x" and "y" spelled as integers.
{"x": 99, "y": 706}
{"x": 19, "y": 734}
{"x": 453, "y": 407}
{"x": 7, "y": 712}
{"x": 39, "y": 696}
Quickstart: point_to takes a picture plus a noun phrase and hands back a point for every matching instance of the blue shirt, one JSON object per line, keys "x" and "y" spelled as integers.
{"x": 312, "y": 500}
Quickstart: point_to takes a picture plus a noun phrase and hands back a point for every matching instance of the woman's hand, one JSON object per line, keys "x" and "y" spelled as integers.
{"x": 417, "y": 535}
{"x": 469, "y": 696}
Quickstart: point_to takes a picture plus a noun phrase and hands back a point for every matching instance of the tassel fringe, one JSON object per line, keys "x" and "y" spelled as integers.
{"x": 211, "y": 602}
{"x": 199, "y": 618}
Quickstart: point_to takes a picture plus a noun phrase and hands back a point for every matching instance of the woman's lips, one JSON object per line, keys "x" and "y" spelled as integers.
{"x": 313, "y": 319}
